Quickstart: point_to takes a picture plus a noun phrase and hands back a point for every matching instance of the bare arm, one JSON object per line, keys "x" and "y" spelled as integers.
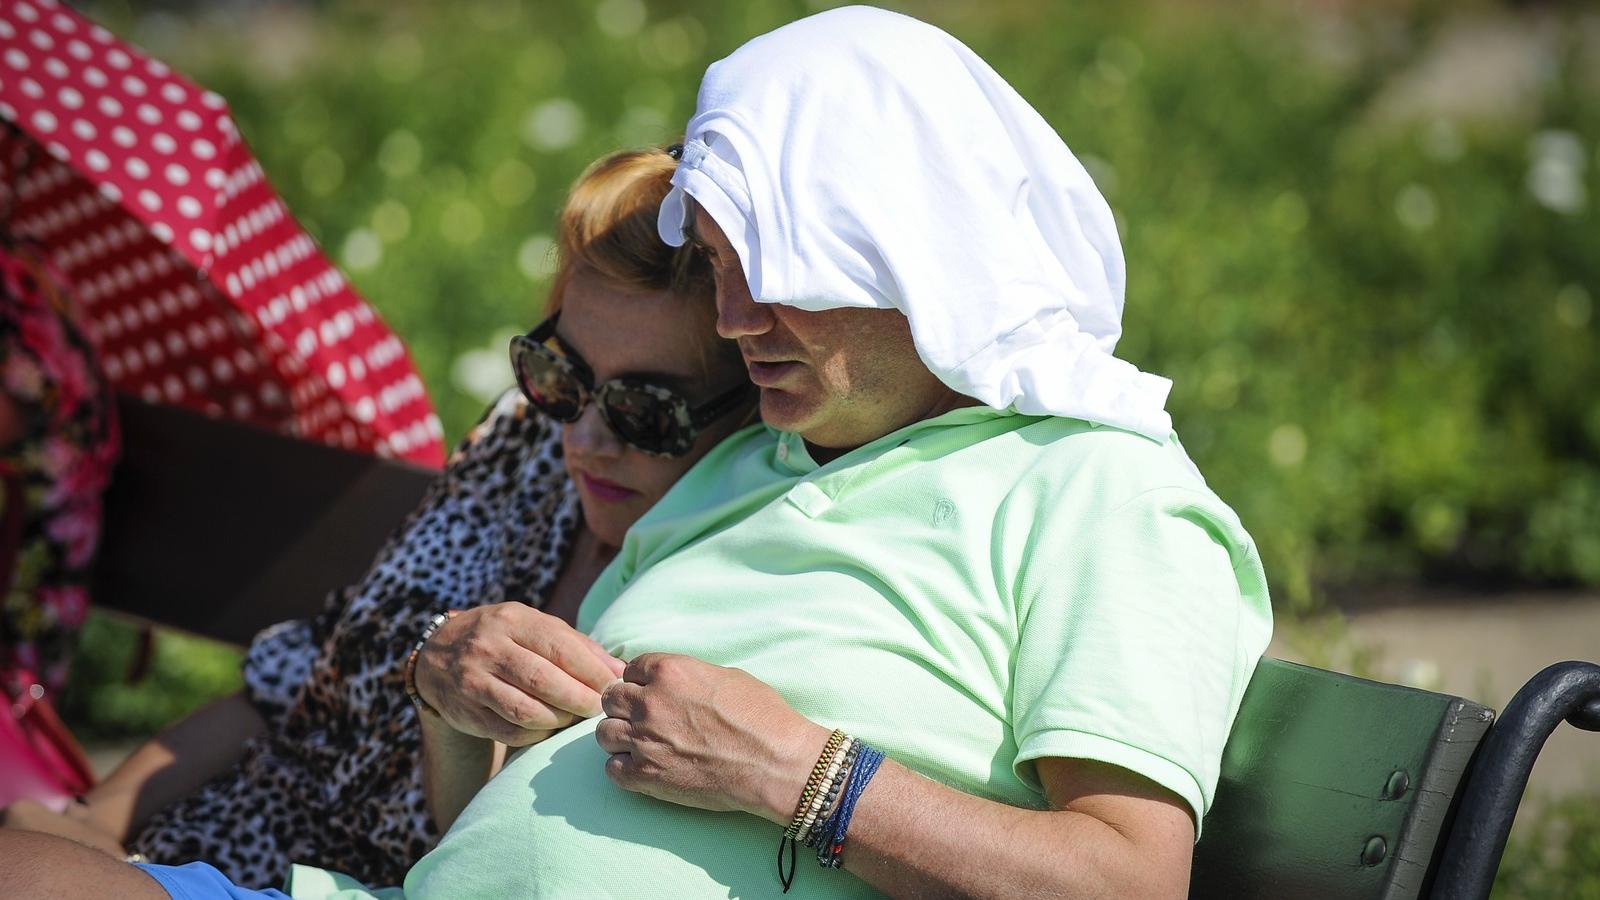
{"x": 500, "y": 675}
{"x": 454, "y": 766}
{"x": 688, "y": 732}
{"x": 174, "y": 764}
{"x": 163, "y": 770}
{"x": 46, "y": 866}
{"x": 1108, "y": 834}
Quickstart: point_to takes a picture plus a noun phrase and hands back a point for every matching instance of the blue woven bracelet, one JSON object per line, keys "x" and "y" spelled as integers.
{"x": 830, "y": 852}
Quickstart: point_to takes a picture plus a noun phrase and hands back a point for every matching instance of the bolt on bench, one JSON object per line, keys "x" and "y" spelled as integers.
{"x": 1332, "y": 788}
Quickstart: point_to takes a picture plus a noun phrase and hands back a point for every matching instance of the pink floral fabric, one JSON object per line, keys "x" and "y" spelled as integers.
{"x": 55, "y": 471}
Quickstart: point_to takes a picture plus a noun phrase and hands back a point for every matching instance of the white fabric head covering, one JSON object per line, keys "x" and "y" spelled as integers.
{"x": 861, "y": 158}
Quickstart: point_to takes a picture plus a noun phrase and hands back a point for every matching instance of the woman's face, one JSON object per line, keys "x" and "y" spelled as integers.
{"x": 658, "y": 335}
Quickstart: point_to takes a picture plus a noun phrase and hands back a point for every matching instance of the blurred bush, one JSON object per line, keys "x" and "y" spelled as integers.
{"x": 1555, "y": 855}
{"x": 1381, "y": 326}
{"x": 180, "y": 674}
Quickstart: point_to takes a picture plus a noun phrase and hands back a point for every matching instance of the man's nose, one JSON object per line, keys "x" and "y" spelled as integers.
{"x": 738, "y": 314}
{"x": 591, "y": 436}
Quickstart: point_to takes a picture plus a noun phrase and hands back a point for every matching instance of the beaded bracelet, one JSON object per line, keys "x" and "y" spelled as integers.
{"x": 815, "y": 833}
{"x": 830, "y": 801}
{"x": 813, "y": 785}
{"x": 830, "y": 790}
{"x": 410, "y": 679}
{"x": 830, "y": 851}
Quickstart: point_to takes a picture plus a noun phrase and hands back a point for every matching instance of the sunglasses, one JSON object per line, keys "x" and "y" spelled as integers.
{"x": 645, "y": 415}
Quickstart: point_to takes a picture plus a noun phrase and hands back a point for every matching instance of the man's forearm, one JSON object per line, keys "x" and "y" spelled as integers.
{"x": 696, "y": 734}
{"x": 454, "y": 767}
{"x": 913, "y": 837}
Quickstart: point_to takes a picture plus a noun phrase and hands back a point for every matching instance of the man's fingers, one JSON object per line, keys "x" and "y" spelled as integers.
{"x": 614, "y": 735}
{"x": 619, "y": 768}
{"x": 620, "y": 699}
{"x": 642, "y": 668}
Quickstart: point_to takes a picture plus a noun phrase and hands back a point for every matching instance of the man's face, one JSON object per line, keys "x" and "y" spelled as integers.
{"x": 839, "y": 377}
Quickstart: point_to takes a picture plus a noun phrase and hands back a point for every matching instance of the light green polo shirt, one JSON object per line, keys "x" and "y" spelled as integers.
{"x": 968, "y": 594}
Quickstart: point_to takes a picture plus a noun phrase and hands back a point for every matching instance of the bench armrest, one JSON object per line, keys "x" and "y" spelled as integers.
{"x": 1568, "y": 691}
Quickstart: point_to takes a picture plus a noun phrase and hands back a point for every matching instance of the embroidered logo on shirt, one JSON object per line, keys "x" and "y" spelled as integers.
{"x": 943, "y": 511}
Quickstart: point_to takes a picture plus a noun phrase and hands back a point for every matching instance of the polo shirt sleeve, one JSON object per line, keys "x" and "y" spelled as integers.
{"x": 1138, "y": 631}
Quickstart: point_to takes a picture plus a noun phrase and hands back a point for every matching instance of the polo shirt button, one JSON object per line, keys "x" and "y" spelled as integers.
{"x": 783, "y": 452}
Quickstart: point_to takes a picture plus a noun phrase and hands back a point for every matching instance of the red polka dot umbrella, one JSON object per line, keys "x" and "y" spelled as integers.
{"x": 200, "y": 287}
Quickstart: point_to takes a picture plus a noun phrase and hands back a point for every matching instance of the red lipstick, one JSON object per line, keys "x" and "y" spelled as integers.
{"x": 609, "y": 491}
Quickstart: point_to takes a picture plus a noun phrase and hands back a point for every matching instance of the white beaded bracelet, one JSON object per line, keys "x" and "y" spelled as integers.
{"x": 428, "y": 631}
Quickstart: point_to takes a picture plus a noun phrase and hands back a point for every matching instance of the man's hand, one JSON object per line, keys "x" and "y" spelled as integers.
{"x": 511, "y": 673}
{"x": 31, "y": 815}
{"x": 700, "y": 735}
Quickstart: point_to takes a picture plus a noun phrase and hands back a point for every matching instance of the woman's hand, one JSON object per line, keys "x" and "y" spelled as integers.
{"x": 31, "y": 815}
{"x": 513, "y": 674}
{"x": 700, "y": 735}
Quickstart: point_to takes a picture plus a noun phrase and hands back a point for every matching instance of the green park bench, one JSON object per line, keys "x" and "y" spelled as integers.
{"x": 1332, "y": 787}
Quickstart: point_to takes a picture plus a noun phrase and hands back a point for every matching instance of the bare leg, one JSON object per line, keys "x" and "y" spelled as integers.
{"x": 45, "y": 867}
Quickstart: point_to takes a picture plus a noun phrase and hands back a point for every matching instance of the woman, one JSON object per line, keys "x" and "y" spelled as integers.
{"x": 318, "y": 758}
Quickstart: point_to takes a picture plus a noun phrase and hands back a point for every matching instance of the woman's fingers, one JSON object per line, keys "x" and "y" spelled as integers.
{"x": 614, "y": 665}
{"x": 485, "y": 722}
{"x": 29, "y": 815}
{"x": 569, "y": 649}
{"x": 500, "y": 638}
{"x": 552, "y": 701}
{"x": 512, "y": 673}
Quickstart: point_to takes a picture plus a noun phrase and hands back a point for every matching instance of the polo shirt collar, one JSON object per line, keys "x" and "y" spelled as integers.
{"x": 792, "y": 455}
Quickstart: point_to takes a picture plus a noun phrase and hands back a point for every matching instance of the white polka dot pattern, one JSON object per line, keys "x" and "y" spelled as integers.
{"x": 199, "y": 285}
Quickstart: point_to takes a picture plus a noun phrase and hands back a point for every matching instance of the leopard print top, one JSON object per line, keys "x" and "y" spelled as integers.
{"x": 336, "y": 780}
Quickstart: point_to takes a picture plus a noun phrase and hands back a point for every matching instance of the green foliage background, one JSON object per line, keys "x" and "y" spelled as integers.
{"x": 1380, "y": 326}
{"x": 1555, "y": 855}
{"x": 1383, "y": 343}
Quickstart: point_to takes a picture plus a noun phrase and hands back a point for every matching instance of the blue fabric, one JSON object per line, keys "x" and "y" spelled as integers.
{"x": 201, "y": 881}
{"x": 830, "y": 853}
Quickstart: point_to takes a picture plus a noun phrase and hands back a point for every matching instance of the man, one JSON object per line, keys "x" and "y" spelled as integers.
{"x": 1048, "y": 614}
{"x": 967, "y": 535}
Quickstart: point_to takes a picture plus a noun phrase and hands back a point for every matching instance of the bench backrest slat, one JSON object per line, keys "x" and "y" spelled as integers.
{"x": 221, "y": 529}
{"x": 1311, "y": 788}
